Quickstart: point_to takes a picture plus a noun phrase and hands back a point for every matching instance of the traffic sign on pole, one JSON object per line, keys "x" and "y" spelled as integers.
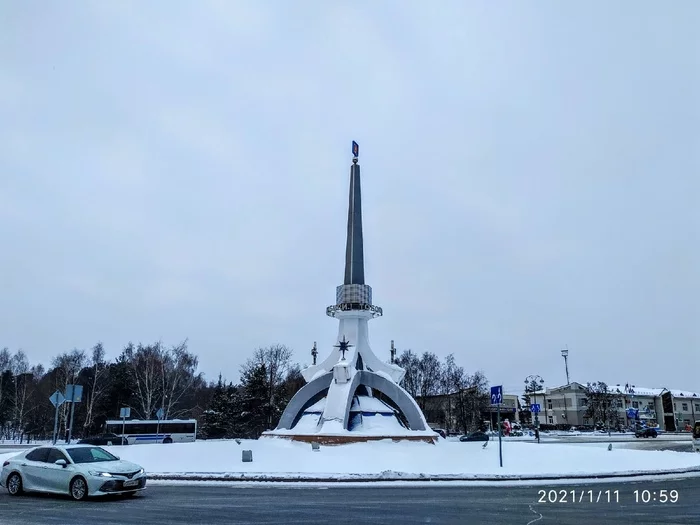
{"x": 535, "y": 408}
{"x": 496, "y": 395}
{"x": 57, "y": 400}
{"x": 497, "y": 399}
{"x": 159, "y": 415}
{"x": 74, "y": 394}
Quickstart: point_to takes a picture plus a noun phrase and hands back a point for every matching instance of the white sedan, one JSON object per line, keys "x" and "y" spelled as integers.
{"x": 78, "y": 470}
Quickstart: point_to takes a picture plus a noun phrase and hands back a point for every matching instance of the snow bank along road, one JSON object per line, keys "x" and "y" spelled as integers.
{"x": 391, "y": 505}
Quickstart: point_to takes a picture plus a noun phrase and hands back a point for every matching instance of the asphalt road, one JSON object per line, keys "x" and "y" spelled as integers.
{"x": 251, "y": 504}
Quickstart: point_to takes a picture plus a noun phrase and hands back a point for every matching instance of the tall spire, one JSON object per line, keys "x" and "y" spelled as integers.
{"x": 354, "y": 253}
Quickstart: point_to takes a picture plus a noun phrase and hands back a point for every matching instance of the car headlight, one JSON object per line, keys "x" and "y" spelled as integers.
{"x": 141, "y": 471}
{"x": 102, "y": 474}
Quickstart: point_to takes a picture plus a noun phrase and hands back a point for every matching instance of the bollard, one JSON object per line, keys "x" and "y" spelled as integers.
{"x": 247, "y": 456}
{"x": 315, "y": 446}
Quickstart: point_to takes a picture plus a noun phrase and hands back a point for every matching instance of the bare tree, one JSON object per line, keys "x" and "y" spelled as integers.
{"x": 99, "y": 377}
{"x": 179, "y": 375}
{"x": 477, "y": 397}
{"x": 5, "y": 364}
{"x": 146, "y": 372}
{"x": 24, "y": 383}
{"x": 430, "y": 371}
{"x": 411, "y": 379}
{"x": 277, "y": 361}
{"x": 66, "y": 368}
{"x": 451, "y": 382}
{"x": 602, "y": 404}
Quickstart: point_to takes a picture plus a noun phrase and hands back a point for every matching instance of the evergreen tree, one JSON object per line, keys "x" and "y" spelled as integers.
{"x": 255, "y": 403}
{"x": 215, "y": 423}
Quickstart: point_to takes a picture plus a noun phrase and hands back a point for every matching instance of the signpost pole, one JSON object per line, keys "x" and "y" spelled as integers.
{"x": 500, "y": 446}
{"x": 55, "y": 425}
{"x": 159, "y": 416}
{"x": 497, "y": 399}
{"x": 72, "y": 413}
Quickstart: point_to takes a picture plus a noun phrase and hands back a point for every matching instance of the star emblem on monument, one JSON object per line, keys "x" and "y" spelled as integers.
{"x": 343, "y": 346}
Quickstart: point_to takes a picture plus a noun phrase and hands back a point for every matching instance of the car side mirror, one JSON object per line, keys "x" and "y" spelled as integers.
{"x": 61, "y": 462}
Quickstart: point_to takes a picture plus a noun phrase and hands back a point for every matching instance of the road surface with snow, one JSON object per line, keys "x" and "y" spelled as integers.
{"x": 214, "y": 505}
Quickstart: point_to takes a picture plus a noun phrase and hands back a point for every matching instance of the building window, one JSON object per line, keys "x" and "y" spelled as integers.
{"x": 697, "y": 407}
{"x": 635, "y": 404}
{"x": 584, "y": 402}
{"x": 549, "y": 404}
{"x": 551, "y": 419}
{"x": 586, "y": 421}
{"x": 685, "y": 407}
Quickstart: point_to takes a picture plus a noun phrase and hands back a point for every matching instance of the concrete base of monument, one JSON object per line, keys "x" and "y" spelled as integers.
{"x": 351, "y": 437}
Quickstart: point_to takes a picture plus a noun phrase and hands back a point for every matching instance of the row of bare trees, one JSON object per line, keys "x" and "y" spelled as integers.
{"x": 447, "y": 394}
{"x": 143, "y": 377}
{"x": 149, "y": 377}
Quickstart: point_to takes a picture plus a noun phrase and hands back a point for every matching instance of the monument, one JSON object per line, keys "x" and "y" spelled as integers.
{"x": 353, "y": 396}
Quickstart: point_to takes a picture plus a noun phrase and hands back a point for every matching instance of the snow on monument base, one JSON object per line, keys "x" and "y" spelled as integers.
{"x": 370, "y": 419}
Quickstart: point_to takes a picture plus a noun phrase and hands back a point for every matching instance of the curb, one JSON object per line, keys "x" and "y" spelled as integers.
{"x": 400, "y": 476}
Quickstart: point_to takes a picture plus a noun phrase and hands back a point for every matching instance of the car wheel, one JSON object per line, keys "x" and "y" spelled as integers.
{"x": 168, "y": 440}
{"x": 14, "y": 484}
{"x": 78, "y": 488}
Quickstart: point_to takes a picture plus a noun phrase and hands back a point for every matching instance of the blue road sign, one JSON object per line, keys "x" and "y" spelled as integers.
{"x": 74, "y": 393}
{"x": 124, "y": 412}
{"x": 535, "y": 408}
{"x": 160, "y": 413}
{"x": 497, "y": 395}
{"x": 355, "y": 149}
{"x": 57, "y": 398}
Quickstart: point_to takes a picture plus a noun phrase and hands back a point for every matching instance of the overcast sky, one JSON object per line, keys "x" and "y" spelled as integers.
{"x": 174, "y": 170}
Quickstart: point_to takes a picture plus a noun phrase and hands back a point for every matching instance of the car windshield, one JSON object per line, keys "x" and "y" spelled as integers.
{"x": 89, "y": 455}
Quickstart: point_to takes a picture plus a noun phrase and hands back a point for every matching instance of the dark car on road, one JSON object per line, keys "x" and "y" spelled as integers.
{"x": 475, "y": 436}
{"x": 104, "y": 439}
{"x": 646, "y": 433}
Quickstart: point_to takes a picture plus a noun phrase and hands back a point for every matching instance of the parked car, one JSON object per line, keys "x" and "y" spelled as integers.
{"x": 104, "y": 439}
{"x": 440, "y": 431}
{"x": 77, "y": 470}
{"x": 475, "y": 436}
{"x": 646, "y": 432}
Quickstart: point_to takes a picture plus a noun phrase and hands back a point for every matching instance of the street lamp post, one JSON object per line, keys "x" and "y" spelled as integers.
{"x": 565, "y": 355}
{"x": 532, "y": 384}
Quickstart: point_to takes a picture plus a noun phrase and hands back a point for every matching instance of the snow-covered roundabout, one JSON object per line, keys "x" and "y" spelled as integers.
{"x": 284, "y": 460}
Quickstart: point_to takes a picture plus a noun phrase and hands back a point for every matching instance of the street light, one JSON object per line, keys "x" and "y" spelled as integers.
{"x": 565, "y": 355}
{"x": 533, "y": 383}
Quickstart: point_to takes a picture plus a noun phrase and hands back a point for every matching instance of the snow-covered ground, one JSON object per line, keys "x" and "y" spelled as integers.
{"x": 281, "y": 458}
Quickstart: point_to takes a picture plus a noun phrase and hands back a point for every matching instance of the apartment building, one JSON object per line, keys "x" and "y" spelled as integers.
{"x": 672, "y": 410}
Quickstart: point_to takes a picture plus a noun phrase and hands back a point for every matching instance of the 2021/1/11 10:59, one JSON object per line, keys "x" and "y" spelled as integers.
{"x": 656, "y": 496}
{"x": 605, "y": 496}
